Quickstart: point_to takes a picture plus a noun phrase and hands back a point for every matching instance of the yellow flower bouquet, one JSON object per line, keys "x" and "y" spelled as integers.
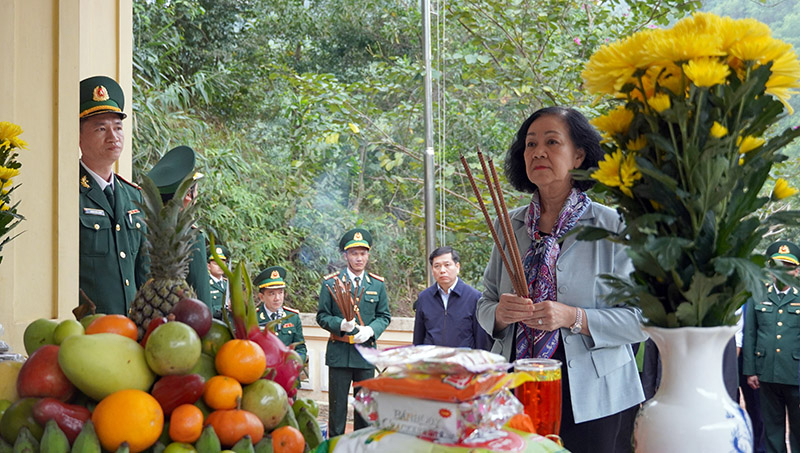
{"x": 9, "y": 168}
{"x": 689, "y": 148}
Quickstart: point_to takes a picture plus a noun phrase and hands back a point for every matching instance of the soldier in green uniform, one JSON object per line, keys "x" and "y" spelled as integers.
{"x": 168, "y": 173}
{"x": 345, "y": 364}
{"x": 217, "y": 283}
{"x": 271, "y": 284}
{"x": 771, "y": 351}
{"x": 112, "y": 263}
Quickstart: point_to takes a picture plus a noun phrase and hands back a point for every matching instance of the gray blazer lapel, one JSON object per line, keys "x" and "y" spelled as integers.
{"x": 586, "y": 219}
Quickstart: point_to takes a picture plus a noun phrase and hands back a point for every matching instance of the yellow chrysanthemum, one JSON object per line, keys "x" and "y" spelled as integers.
{"x": 9, "y": 136}
{"x": 636, "y": 144}
{"x": 783, "y": 190}
{"x": 706, "y": 72}
{"x": 748, "y": 143}
{"x": 8, "y": 173}
{"x": 616, "y": 170}
{"x": 5, "y": 187}
{"x": 656, "y": 205}
{"x": 758, "y": 49}
{"x": 785, "y": 76}
{"x": 4, "y": 206}
{"x": 718, "y": 130}
{"x": 733, "y": 31}
{"x": 615, "y": 122}
{"x": 613, "y": 65}
{"x": 677, "y": 46}
{"x": 659, "y": 102}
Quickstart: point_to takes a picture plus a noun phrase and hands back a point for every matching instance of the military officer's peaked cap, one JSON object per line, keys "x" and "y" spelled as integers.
{"x": 173, "y": 168}
{"x": 271, "y": 278}
{"x": 357, "y": 237}
{"x": 784, "y": 252}
{"x": 101, "y": 94}
{"x": 221, "y": 250}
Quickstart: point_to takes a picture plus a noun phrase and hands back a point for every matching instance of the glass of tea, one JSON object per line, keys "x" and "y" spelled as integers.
{"x": 541, "y": 397}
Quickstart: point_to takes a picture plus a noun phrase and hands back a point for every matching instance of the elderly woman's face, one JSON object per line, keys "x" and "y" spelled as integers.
{"x": 550, "y": 154}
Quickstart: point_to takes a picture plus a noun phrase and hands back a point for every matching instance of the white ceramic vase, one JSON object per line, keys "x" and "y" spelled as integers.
{"x": 692, "y": 411}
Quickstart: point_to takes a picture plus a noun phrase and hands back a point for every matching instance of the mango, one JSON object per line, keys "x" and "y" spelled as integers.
{"x": 9, "y": 370}
{"x": 103, "y": 363}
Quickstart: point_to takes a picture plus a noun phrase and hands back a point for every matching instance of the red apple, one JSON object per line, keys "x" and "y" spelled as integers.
{"x": 195, "y": 313}
{"x": 41, "y": 376}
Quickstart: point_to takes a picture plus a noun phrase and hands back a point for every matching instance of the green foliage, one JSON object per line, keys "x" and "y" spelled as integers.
{"x": 308, "y": 117}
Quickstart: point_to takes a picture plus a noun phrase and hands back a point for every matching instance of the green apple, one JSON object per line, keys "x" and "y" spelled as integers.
{"x": 268, "y": 400}
{"x": 172, "y": 348}
{"x": 204, "y": 367}
{"x": 67, "y": 328}
{"x": 38, "y": 333}
{"x": 86, "y": 320}
{"x": 180, "y": 447}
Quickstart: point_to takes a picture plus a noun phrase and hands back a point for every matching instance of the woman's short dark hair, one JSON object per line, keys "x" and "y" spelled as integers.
{"x": 582, "y": 134}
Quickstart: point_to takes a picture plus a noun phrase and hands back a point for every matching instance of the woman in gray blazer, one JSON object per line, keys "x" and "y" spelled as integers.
{"x": 565, "y": 317}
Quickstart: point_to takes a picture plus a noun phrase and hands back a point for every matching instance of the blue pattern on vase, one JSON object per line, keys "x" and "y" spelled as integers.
{"x": 741, "y": 436}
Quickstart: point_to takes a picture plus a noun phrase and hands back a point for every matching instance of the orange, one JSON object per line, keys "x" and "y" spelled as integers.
{"x": 243, "y": 360}
{"x": 233, "y": 424}
{"x": 118, "y": 324}
{"x": 131, "y": 416}
{"x": 222, "y": 392}
{"x": 186, "y": 423}
{"x": 288, "y": 439}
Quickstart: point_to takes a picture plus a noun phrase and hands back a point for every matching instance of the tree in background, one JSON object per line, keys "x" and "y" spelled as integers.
{"x": 307, "y": 116}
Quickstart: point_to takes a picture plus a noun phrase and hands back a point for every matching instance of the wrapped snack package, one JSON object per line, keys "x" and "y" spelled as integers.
{"x": 429, "y": 359}
{"x": 454, "y": 388}
{"x": 438, "y": 421}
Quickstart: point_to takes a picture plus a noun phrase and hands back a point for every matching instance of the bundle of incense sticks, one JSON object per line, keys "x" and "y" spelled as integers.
{"x": 343, "y": 297}
{"x": 511, "y": 257}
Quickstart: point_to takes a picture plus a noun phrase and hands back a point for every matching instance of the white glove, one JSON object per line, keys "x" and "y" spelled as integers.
{"x": 347, "y": 326}
{"x": 364, "y": 334}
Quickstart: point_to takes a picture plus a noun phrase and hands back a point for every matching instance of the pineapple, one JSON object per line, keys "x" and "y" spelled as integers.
{"x": 170, "y": 239}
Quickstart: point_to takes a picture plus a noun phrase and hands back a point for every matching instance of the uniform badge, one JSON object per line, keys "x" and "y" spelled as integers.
{"x": 274, "y": 274}
{"x": 91, "y": 211}
{"x": 84, "y": 181}
{"x": 358, "y": 236}
{"x": 218, "y": 250}
{"x": 288, "y": 324}
{"x": 99, "y": 94}
{"x": 261, "y": 315}
{"x": 783, "y": 249}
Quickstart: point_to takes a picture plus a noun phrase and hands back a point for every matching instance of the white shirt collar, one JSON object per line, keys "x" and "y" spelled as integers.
{"x": 449, "y": 290}
{"x": 99, "y": 179}
{"x": 353, "y": 276}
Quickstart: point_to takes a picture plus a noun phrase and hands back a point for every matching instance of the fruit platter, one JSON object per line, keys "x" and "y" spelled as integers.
{"x": 190, "y": 383}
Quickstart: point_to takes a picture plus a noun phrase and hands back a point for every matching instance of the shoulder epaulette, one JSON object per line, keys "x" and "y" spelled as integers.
{"x": 375, "y": 276}
{"x": 128, "y": 182}
{"x": 291, "y": 310}
{"x": 330, "y": 276}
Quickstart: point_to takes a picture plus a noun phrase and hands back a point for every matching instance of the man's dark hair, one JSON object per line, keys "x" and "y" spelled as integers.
{"x": 443, "y": 251}
{"x": 582, "y": 134}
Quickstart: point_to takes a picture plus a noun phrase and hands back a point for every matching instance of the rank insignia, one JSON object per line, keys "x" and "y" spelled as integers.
{"x": 100, "y": 93}
{"x": 84, "y": 181}
{"x": 261, "y": 315}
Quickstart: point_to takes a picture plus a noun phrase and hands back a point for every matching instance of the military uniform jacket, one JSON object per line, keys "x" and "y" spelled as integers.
{"x": 373, "y": 306}
{"x": 289, "y": 330}
{"x": 771, "y": 342}
{"x": 217, "y": 290}
{"x": 111, "y": 258}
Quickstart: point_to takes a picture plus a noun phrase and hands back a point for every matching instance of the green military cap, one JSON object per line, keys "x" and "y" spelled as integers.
{"x": 101, "y": 94}
{"x": 173, "y": 168}
{"x": 271, "y": 278}
{"x": 784, "y": 252}
{"x": 221, "y": 250}
{"x": 357, "y": 237}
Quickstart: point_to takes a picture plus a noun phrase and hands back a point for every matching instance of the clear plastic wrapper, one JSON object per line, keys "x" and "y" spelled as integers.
{"x": 438, "y": 421}
{"x": 453, "y": 388}
{"x": 430, "y": 359}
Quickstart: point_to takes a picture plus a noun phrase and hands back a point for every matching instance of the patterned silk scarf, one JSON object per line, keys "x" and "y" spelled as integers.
{"x": 540, "y": 269}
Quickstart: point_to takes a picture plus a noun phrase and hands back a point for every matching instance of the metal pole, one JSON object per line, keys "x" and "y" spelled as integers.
{"x": 430, "y": 192}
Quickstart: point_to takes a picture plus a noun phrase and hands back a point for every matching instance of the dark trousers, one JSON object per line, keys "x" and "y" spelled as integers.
{"x": 339, "y": 380}
{"x": 595, "y": 436}
{"x": 777, "y": 400}
{"x": 753, "y": 403}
